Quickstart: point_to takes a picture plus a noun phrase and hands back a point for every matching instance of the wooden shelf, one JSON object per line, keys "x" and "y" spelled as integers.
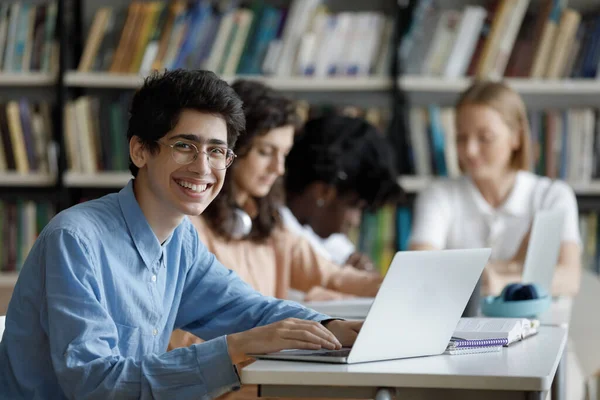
{"x": 97, "y": 180}
{"x": 26, "y": 180}
{"x": 8, "y": 279}
{"x": 133, "y": 81}
{"x": 31, "y": 79}
{"x": 408, "y": 83}
{"x": 103, "y": 80}
{"x": 414, "y": 184}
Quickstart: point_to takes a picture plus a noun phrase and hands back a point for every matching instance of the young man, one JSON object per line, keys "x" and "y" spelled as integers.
{"x": 108, "y": 280}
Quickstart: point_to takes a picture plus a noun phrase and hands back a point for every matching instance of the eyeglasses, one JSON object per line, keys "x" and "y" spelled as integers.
{"x": 186, "y": 153}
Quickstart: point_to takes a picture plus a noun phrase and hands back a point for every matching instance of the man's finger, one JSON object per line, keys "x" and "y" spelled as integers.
{"x": 318, "y": 329}
{"x": 307, "y": 336}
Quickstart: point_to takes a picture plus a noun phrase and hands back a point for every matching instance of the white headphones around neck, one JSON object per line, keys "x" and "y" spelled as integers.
{"x": 241, "y": 225}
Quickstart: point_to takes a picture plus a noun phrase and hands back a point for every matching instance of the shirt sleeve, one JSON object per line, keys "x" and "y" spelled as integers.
{"x": 339, "y": 247}
{"x": 562, "y": 196}
{"x": 228, "y": 304}
{"x": 84, "y": 340}
{"x": 432, "y": 216}
{"x": 308, "y": 269}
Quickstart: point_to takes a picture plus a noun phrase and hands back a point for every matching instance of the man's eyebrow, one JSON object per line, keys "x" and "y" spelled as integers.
{"x": 197, "y": 139}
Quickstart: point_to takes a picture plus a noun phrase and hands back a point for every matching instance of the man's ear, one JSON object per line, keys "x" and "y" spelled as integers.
{"x": 138, "y": 152}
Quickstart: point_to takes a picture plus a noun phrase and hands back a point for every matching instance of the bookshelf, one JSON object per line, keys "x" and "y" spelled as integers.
{"x": 76, "y": 19}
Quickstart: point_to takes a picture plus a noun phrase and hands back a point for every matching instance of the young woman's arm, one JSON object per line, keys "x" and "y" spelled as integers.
{"x": 309, "y": 272}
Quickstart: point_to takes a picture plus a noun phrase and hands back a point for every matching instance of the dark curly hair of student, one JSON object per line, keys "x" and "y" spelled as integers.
{"x": 265, "y": 109}
{"x": 348, "y": 153}
{"x": 157, "y": 105}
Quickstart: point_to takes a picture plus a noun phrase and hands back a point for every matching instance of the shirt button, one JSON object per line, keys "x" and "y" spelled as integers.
{"x": 153, "y": 278}
{"x": 155, "y": 332}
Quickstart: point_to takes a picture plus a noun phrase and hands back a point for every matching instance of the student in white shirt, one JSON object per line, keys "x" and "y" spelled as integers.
{"x": 338, "y": 167}
{"x": 494, "y": 202}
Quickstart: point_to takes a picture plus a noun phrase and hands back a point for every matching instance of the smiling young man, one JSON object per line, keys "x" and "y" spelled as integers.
{"x": 107, "y": 281}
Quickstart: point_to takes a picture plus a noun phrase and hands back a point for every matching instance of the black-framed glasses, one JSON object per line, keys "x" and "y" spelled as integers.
{"x": 186, "y": 153}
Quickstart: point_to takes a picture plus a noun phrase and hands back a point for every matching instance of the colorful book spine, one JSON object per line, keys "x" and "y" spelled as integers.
{"x": 462, "y": 343}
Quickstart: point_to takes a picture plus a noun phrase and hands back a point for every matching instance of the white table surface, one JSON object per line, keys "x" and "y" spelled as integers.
{"x": 529, "y": 365}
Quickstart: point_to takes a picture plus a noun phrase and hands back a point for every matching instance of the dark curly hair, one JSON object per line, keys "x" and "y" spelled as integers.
{"x": 157, "y": 105}
{"x": 265, "y": 109}
{"x": 348, "y": 153}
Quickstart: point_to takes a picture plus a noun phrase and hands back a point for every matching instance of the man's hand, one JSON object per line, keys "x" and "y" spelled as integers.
{"x": 360, "y": 261}
{"x": 345, "y": 331}
{"x": 290, "y": 333}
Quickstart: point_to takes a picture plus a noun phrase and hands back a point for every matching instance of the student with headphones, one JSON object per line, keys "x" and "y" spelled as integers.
{"x": 494, "y": 202}
{"x": 338, "y": 167}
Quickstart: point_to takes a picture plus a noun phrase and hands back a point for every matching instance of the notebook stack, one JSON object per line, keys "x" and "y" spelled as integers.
{"x": 485, "y": 335}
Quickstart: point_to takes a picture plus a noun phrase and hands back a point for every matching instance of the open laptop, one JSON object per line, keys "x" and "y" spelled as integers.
{"x": 543, "y": 248}
{"x": 415, "y": 311}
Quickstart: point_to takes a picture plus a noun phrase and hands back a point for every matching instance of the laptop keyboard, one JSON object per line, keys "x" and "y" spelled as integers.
{"x": 328, "y": 353}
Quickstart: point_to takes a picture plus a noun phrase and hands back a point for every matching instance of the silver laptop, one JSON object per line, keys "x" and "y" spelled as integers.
{"x": 543, "y": 248}
{"x": 415, "y": 311}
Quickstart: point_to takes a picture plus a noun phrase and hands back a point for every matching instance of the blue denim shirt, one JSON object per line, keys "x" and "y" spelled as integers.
{"x": 98, "y": 298}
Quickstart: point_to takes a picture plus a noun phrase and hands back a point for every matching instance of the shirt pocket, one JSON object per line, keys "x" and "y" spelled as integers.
{"x": 130, "y": 340}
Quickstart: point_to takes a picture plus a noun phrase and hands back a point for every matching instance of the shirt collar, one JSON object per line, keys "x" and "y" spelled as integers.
{"x": 516, "y": 203}
{"x": 142, "y": 234}
{"x": 518, "y": 200}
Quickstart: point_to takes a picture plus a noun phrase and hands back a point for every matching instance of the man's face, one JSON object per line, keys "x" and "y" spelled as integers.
{"x": 185, "y": 188}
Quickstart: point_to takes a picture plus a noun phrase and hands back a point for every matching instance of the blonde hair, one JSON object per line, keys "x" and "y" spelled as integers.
{"x": 509, "y": 104}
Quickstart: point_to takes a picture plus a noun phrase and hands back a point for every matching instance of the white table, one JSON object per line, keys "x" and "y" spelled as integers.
{"x": 525, "y": 370}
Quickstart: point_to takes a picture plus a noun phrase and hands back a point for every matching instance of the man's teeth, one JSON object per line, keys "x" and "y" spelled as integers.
{"x": 191, "y": 186}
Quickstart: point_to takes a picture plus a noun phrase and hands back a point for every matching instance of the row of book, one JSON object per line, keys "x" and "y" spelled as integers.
{"x": 502, "y": 40}
{"x": 565, "y": 143}
{"x": 96, "y": 134}
{"x": 20, "y": 224}
{"x": 96, "y": 129}
{"x": 305, "y": 39}
{"x": 27, "y": 37}
{"x": 590, "y": 237}
{"x": 25, "y": 137}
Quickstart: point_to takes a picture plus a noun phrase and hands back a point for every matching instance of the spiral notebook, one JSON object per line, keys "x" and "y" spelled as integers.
{"x": 456, "y": 343}
{"x": 473, "y": 350}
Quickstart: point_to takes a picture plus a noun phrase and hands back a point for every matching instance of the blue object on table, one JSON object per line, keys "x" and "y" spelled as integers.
{"x": 517, "y": 300}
